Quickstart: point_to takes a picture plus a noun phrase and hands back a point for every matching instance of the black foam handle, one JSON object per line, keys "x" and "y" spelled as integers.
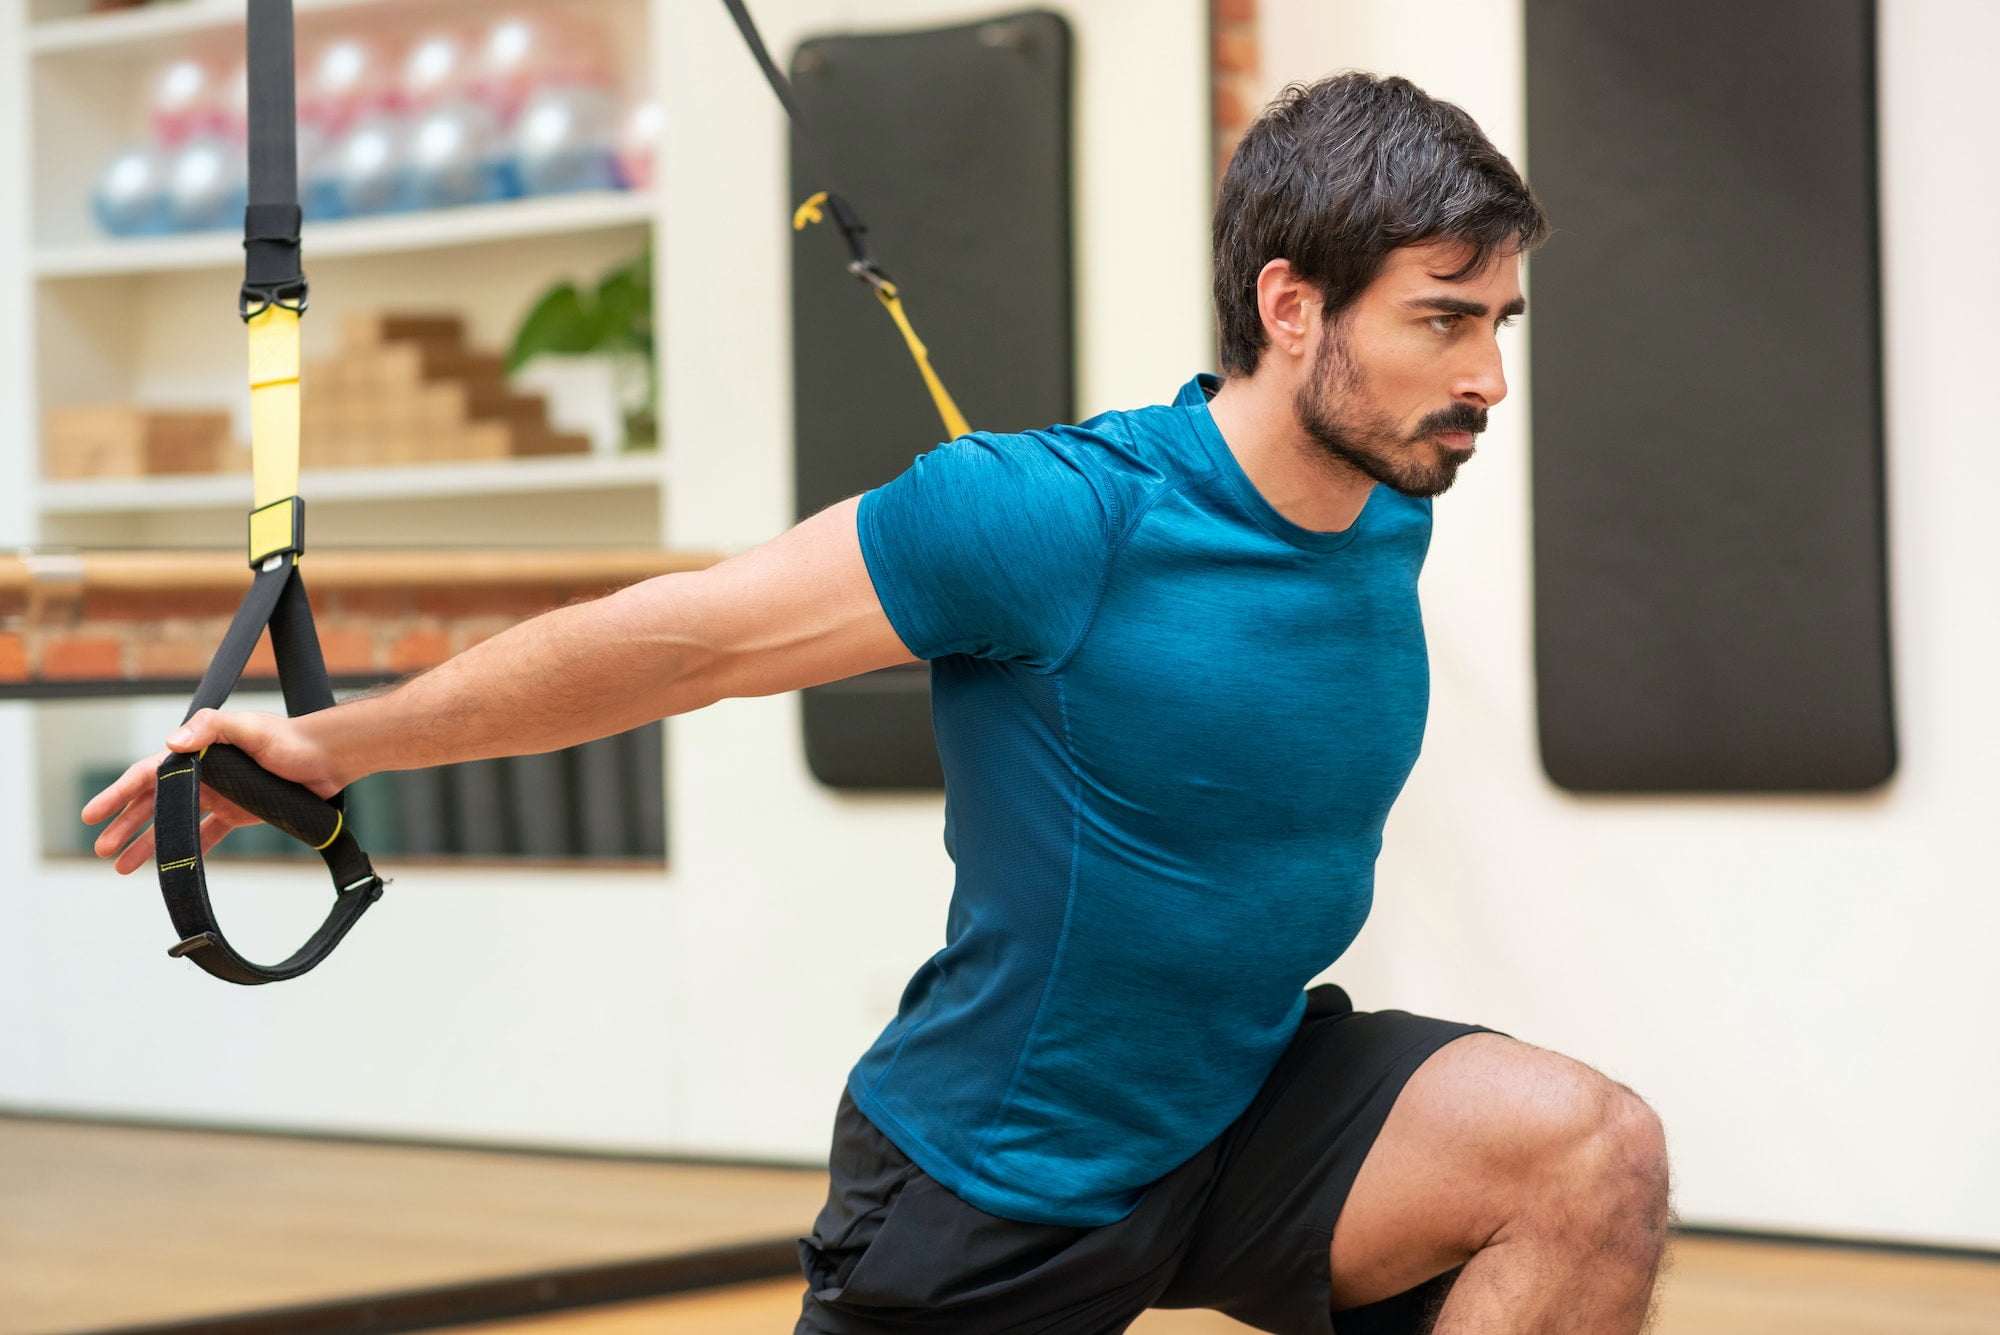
{"x": 284, "y": 805}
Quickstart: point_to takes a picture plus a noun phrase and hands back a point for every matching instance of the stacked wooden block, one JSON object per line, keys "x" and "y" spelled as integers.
{"x": 119, "y": 440}
{"x": 406, "y": 389}
{"x": 403, "y": 389}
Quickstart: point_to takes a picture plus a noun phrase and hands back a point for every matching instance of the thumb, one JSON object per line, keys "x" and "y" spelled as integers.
{"x": 206, "y": 727}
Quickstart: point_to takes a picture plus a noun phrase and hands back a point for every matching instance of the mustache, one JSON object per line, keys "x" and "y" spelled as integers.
{"x": 1458, "y": 417}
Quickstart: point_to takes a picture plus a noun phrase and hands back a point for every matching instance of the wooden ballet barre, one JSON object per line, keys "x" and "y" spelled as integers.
{"x": 25, "y": 573}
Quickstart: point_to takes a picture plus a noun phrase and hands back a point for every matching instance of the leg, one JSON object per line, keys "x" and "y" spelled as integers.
{"x": 1544, "y": 1180}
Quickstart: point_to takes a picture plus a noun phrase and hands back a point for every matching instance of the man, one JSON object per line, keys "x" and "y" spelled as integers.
{"x": 1179, "y": 679}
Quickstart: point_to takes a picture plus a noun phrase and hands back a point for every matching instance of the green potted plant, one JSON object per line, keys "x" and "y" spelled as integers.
{"x": 591, "y": 353}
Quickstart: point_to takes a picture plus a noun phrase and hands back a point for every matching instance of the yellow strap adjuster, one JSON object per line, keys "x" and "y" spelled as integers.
{"x": 954, "y": 421}
{"x": 955, "y": 425}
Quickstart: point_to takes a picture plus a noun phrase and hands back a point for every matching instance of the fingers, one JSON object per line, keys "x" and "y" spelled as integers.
{"x": 203, "y": 729}
{"x": 247, "y": 728}
{"x": 129, "y": 839}
{"x": 130, "y": 822}
{"x": 130, "y": 800}
{"x": 128, "y": 804}
{"x": 135, "y": 782}
{"x": 212, "y": 832}
{"x": 272, "y": 740}
{"x": 227, "y": 811}
{"x": 135, "y": 854}
{"x": 214, "y": 829}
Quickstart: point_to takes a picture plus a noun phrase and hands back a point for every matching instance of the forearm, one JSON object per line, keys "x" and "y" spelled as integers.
{"x": 560, "y": 679}
{"x": 797, "y": 611}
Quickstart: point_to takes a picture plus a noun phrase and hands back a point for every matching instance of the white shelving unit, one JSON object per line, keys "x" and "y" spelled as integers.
{"x": 157, "y": 23}
{"x": 151, "y": 320}
{"x": 553, "y": 216}
{"x": 539, "y": 477}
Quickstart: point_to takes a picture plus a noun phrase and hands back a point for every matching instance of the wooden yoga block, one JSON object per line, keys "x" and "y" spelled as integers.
{"x": 496, "y": 403}
{"x": 405, "y": 389}
{"x": 372, "y": 329}
{"x": 541, "y": 441}
{"x": 478, "y": 440}
{"x": 119, "y": 440}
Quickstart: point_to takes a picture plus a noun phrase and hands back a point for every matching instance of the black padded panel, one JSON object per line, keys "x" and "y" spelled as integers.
{"x": 953, "y": 146}
{"x": 874, "y": 731}
{"x": 1710, "y": 573}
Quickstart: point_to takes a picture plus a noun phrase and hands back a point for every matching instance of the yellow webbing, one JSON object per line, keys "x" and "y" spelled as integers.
{"x": 274, "y": 425}
{"x": 814, "y": 210}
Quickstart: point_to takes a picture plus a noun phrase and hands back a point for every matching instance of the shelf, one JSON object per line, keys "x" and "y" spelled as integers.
{"x": 549, "y": 215}
{"x": 447, "y": 482}
{"x": 136, "y": 27}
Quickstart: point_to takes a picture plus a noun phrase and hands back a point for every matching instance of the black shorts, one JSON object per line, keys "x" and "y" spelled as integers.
{"x": 1244, "y": 1227}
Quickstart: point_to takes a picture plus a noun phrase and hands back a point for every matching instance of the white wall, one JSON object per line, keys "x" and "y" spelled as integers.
{"x": 1801, "y": 986}
{"x": 713, "y": 1010}
{"x": 1804, "y": 988}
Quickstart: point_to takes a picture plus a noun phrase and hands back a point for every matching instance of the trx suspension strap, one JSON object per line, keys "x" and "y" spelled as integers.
{"x": 852, "y": 230}
{"x": 272, "y": 300}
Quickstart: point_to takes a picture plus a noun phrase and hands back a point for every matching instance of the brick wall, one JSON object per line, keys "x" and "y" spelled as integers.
{"x": 99, "y": 621}
{"x": 1234, "y": 73}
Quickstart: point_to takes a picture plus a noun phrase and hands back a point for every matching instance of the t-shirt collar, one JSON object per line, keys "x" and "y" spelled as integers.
{"x": 1195, "y": 394}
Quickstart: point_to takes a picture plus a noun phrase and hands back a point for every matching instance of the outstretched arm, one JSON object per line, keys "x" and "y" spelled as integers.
{"x": 795, "y": 612}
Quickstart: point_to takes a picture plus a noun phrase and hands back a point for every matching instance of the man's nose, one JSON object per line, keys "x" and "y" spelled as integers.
{"x": 1484, "y": 382}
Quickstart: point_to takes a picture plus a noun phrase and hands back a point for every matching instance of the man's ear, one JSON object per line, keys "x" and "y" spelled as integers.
{"x": 1287, "y": 304}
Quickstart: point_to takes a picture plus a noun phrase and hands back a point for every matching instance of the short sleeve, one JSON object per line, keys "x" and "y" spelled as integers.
{"x": 993, "y": 546}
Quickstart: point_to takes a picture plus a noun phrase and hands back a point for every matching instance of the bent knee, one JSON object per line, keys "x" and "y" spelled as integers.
{"x": 1529, "y": 1140}
{"x": 1632, "y": 1131}
{"x": 1579, "y": 1131}
{"x": 1609, "y": 1158}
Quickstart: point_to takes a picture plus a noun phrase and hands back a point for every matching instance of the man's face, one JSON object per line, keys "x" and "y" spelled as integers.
{"x": 1402, "y": 378}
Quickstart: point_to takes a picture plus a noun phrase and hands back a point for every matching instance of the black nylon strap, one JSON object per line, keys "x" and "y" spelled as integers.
{"x": 295, "y": 644}
{"x": 852, "y": 230}
{"x": 277, "y": 598}
{"x": 240, "y": 640}
{"x": 779, "y": 84}
{"x": 274, "y": 172}
{"x": 271, "y": 271}
{"x": 177, "y": 838}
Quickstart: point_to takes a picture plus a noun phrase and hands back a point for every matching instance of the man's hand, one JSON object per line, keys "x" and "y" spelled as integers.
{"x": 273, "y": 741}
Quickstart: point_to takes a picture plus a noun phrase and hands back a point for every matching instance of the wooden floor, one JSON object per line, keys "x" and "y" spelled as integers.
{"x": 1715, "y": 1287}
{"x": 103, "y": 1226}
{"x": 762, "y": 1309}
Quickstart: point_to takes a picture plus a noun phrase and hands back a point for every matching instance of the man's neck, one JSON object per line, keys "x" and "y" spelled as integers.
{"x": 1301, "y": 481}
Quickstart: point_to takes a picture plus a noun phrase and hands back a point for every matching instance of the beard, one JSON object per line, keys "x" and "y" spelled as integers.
{"x": 1355, "y": 434}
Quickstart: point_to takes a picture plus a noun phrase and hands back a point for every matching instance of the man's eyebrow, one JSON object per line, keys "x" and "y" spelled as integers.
{"x": 1460, "y": 306}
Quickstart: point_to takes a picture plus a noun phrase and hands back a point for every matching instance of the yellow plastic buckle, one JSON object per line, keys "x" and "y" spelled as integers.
{"x": 277, "y": 528}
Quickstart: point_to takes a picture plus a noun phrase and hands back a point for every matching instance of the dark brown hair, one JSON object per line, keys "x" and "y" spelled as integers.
{"x": 1337, "y": 174}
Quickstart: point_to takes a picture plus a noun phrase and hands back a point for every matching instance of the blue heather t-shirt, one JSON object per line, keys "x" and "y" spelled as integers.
{"x": 1172, "y": 724}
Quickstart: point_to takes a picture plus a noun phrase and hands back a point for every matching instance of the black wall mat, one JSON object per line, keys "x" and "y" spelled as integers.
{"x": 953, "y": 145}
{"x": 603, "y": 799}
{"x": 1710, "y": 575}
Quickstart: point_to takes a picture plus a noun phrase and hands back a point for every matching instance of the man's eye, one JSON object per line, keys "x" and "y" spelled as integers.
{"x": 1444, "y": 324}
{"x": 1507, "y": 322}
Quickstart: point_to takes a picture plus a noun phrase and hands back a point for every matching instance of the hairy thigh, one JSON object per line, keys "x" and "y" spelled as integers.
{"x": 1489, "y": 1131}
